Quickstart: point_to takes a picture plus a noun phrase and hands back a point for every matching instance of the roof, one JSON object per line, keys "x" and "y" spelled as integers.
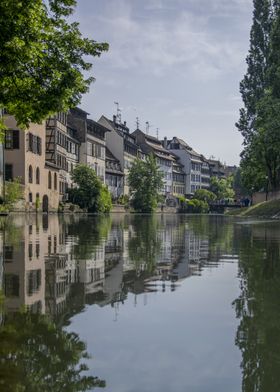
{"x": 189, "y": 148}
{"x": 97, "y": 124}
{"x": 167, "y": 157}
{"x": 80, "y": 111}
{"x": 184, "y": 144}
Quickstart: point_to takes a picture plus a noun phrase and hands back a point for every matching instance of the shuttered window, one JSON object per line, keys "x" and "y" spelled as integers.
{"x": 12, "y": 139}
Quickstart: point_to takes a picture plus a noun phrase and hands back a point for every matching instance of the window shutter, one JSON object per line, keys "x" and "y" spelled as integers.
{"x": 16, "y": 139}
{"x": 39, "y": 145}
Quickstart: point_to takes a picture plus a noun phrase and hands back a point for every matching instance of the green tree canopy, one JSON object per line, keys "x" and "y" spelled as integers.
{"x": 205, "y": 195}
{"x": 89, "y": 192}
{"x": 255, "y": 80}
{"x": 222, "y": 187}
{"x": 145, "y": 181}
{"x": 42, "y": 59}
{"x": 259, "y": 120}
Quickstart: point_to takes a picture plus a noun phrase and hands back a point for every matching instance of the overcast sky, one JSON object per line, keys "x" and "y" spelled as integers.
{"x": 174, "y": 63}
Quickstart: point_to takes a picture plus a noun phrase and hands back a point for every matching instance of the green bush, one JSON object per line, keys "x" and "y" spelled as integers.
{"x": 197, "y": 206}
{"x": 105, "y": 200}
{"x": 123, "y": 200}
{"x": 13, "y": 192}
{"x": 89, "y": 192}
{"x": 205, "y": 195}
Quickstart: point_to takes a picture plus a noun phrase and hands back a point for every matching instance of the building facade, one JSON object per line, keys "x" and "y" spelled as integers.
{"x": 62, "y": 151}
{"x": 24, "y": 158}
{"x": 113, "y": 175}
{"x": 122, "y": 144}
{"x": 91, "y": 136}
{"x": 195, "y": 165}
{"x": 165, "y": 160}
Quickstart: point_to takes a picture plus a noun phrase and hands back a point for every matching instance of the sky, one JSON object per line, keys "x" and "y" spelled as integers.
{"x": 174, "y": 63}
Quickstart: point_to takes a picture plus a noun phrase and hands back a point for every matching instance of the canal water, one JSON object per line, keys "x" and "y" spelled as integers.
{"x": 139, "y": 303}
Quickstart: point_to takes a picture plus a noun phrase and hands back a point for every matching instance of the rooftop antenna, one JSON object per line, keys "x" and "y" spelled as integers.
{"x": 147, "y": 127}
{"x": 119, "y": 113}
{"x": 137, "y": 123}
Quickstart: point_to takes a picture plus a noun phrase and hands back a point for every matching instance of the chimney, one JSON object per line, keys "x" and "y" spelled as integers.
{"x": 165, "y": 142}
{"x": 124, "y": 123}
{"x": 114, "y": 118}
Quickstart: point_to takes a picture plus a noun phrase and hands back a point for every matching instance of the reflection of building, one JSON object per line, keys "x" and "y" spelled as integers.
{"x": 52, "y": 266}
{"x": 34, "y": 267}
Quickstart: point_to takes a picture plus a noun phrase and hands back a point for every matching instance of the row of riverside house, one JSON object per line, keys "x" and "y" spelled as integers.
{"x": 44, "y": 156}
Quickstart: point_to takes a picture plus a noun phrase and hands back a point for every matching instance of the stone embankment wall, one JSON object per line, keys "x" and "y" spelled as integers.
{"x": 260, "y": 197}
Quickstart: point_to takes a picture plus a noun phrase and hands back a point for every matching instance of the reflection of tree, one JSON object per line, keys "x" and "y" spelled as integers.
{"x": 89, "y": 233}
{"x": 217, "y": 229}
{"x": 145, "y": 245}
{"x": 36, "y": 355}
{"x": 258, "y": 308}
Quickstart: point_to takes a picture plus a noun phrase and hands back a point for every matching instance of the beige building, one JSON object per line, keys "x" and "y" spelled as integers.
{"x": 24, "y": 158}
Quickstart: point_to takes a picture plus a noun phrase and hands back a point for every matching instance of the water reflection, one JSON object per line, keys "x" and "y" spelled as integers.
{"x": 258, "y": 307}
{"x": 52, "y": 268}
{"x": 48, "y": 260}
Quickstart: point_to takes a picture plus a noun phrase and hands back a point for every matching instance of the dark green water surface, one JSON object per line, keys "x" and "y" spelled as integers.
{"x": 139, "y": 303}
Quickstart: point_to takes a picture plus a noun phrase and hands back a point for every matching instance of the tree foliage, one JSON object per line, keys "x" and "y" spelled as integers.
{"x": 36, "y": 355}
{"x": 205, "y": 195}
{"x": 13, "y": 192}
{"x": 255, "y": 81}
{"x": 260, "y": 159}
{"x": 89, "y": 192}
{"x": 145, "y": 181}
{"x": 222, "y": 187}
{"x": 257, "y": 307}
{"x": 42, "y": 58}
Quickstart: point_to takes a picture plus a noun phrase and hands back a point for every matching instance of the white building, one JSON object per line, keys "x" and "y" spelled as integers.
{"x": 197, "y": 175}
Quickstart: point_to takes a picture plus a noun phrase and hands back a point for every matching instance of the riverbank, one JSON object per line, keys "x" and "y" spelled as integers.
{"x": 267, "y": 209}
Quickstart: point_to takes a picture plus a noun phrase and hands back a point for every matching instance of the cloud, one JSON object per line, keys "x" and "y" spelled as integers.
{"x": 158, "y": 46}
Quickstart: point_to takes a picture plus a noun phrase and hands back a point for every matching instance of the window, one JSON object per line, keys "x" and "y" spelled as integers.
{"x": 30, "y": 250}
{"x": 37, "y": 175}
{"x": 8, "y": 253}
{"x": 8, "y": 172}
{"x": 34, "y": 144}
{"x": 50, "y": 180}
{"x": 12, "y": 140}
{"x": 55, "y": 181}
{"x": 30, "y": 198}
{"x": 30, "y": 174}
{"x": 37, "y": 250}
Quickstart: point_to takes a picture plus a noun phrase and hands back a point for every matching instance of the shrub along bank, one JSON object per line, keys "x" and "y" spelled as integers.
{"x": 267, "y": 209}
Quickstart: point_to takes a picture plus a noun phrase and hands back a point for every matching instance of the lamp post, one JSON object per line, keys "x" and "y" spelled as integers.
{"x": 266, "y": 188}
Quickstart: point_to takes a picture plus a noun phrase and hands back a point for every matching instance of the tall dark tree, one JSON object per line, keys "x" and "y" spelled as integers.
{"x": 253, "y": 85}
